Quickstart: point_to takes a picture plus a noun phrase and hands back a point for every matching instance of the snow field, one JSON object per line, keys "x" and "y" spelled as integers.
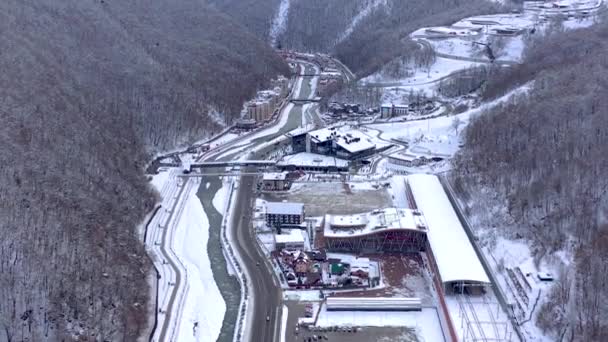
{"x": 364, "y": 12}
{"x": 439, "y": 135}
{"x": 425, "y": 322}
{"x": 440, "y": 69}
{"x": 284, "y": 322}
{"x": 279, "y": 23}
{"x": 204, "y": 307}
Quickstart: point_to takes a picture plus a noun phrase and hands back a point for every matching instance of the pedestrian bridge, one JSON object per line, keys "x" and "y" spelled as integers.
{"x": 231, "y": 163}
{"x": 296, "y": 101}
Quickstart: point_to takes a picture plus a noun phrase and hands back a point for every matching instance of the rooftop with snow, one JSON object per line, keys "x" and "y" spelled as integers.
{"x": 454, "y": 254}
{"x": 271, "y": 176}
{"x": 348, "y": 138}
{"x": 284, "y": 208}
{"x": 312, "y": 159}
{"x": 290, "y": 236}
{"x": 373, "y": 222}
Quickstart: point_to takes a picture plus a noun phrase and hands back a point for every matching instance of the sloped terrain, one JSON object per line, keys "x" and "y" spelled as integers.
{"x": 364, "y": 42}
{"x": 544, "y": 155}
{"x": 88, "y": 90}
{"x": 255, "y": 15}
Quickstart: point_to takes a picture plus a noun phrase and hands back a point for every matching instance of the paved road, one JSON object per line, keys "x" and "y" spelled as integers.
{"x": 165, "y": 244}
{"x": 266, "y": 293}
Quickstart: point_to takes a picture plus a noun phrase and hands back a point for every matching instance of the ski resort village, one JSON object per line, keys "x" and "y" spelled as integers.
{"x": 327, "y": 212}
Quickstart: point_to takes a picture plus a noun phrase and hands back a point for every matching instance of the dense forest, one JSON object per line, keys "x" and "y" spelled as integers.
{"x": 255, "y": 15}
{"x": 377, "y": 38}
{"x": 543, "y": 156}
{"x": 89, "y": 90}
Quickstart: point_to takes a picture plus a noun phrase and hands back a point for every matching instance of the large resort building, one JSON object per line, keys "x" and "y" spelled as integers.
{"x": 343, "y": 142}
{"x": 386, "y": 230}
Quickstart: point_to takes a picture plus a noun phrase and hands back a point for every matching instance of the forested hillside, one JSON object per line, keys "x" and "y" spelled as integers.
{"x": 88, "y": 90}
{"x": 383, "y": 35}
{"x": 255, "y": 15}
{"x": 364, "y": 44}
{"x": 544, "y": 155}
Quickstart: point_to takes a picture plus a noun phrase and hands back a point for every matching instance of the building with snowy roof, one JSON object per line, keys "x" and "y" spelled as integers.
{"x": 275, "y": 181}
{"x": 388, "y": 110}
{"x": 284, "y": 214}
{"x": 385, "y": 230}
{"x": 451, "y": 253}
{"x": 343, "y": 142}
{"x": 290, "y": 239}
{"x": 305, "y": 161}
{"x": 373, "y": 304}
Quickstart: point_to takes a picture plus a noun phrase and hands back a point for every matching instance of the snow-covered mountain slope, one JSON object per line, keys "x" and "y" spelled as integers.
{"x": 279, "y": 23}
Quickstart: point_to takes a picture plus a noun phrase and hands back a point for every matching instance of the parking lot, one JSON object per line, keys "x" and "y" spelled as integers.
{"x": 342, "y": 334}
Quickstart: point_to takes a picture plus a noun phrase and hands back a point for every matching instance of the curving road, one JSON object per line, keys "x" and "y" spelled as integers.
{"x": 265, "y": 291}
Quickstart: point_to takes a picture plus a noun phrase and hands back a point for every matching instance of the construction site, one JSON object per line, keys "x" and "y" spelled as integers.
{"x": 431, "y": 284}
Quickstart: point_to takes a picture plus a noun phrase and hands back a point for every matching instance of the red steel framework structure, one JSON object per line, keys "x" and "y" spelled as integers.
{"x": 383, "y": 240}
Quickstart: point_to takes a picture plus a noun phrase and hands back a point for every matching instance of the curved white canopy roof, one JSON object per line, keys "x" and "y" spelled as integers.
{"x": 454, "y": 254}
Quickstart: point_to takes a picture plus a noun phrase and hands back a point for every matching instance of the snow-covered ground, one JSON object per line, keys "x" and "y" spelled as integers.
{"x": 423, "y": 76}
{"x": 181, "y": 229}
{"x": 425, "y": 322}
{"x": 217, "y": 117}
{"x": 204, "y": 307}
{"x": 284, "y": 316}
{"x": 279, "y": 23}
{"x": 513, "y": 49}
{"x": 370, "y": 6}
{"x": 478, "y": 318}
{"x": 303, "y": 295}
{"x": 517, "y": 274}
{"x": 228, "y": 137}
{"x": 439, "y": 135}
{"x": 573, "y": 24}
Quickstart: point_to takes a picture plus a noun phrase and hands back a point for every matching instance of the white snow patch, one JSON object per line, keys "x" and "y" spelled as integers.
{"x": 423, "y": 76}
{"x": 363, "y": 13}
{"x": 219, "y": 200}
{"x": 303, "y": 295}
{"x": 284, "y": 322}
{"x": 439, "y": 135}
{"x": 279, "y": 23}
{"x": 204, "y": 305}
{"x": 217, "y": 117}
{"x": 426, "y": 322}
{"x": 158, "y": 180}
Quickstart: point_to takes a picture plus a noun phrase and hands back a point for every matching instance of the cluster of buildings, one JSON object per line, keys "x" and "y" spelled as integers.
{"x": 389, "y": 110}
{"x": 315, "y": 269}
{"x": 429, "y": 225}
{"x": 348, "y": 112}
{"x": 303, "y": 265}
{"x": 409, "y": 158}
{"x": 263, "y": 106}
